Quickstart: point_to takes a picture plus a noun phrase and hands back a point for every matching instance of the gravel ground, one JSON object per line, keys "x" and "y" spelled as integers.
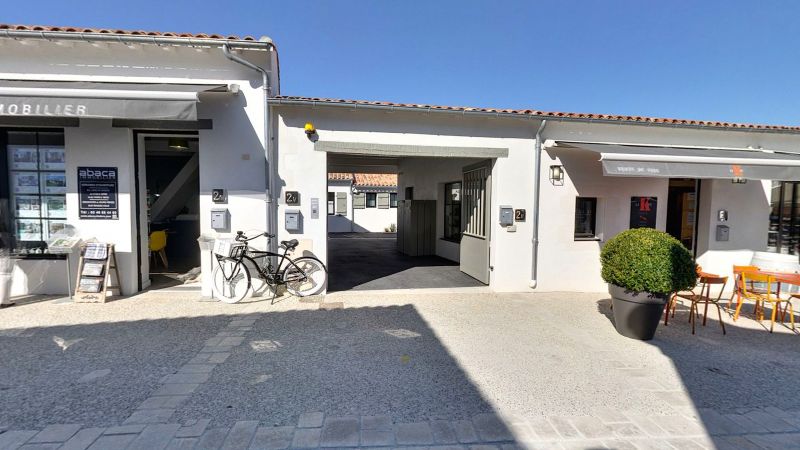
{"x": 419, "y": 357}
{"x": 412, "y": 356}
{"x": 127, "y": 346}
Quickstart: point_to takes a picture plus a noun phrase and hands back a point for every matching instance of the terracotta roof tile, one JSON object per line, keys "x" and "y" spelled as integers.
{"x": 366, "y": 179}
{"x": 123, "y": 32}
{"x": 375, "y": 179}
{"x": 339, "y": 176}
{"x": 554, "y": 114}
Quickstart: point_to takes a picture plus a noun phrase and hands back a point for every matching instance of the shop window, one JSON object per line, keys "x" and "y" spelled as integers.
{"x": 37, "y": 187}
{"x": 452, "y": 211}
{"x": 331, "y": 203}
{"x": 585, "y": 218}
{"x": 784, "y": 224}
{"x": 372, "y": 200}
{"x": 393, "y": 200}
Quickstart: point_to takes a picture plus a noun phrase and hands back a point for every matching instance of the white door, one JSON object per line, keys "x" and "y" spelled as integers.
{"x": 475, "y": 209}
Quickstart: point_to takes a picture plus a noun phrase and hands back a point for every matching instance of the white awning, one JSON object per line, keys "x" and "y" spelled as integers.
{"x": 102, "y": 100}
{"x": 682, "y": 162}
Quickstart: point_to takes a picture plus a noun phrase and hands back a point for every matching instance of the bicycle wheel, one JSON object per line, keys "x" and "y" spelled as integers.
{"x": 231, "y": 281}
{"x": 307, "y": 276}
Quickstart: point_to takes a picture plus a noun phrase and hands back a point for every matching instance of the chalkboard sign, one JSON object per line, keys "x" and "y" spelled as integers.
{"x": 97, "y": 193}
{"x": 643, "y": 212}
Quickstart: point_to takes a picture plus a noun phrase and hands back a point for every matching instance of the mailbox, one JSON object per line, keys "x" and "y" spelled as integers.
{"x": 292, "y": 220}
{"x": 219, "y": 219}
{"x": 506, "y": 216}
{"x": 723, "y": 232}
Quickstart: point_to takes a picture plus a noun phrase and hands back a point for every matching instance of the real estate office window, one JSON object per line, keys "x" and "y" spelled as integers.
{"x": 585, "y": 218}
{"x": 33, "y": 200}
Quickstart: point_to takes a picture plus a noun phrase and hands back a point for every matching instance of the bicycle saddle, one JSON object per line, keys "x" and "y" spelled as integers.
{"x": 290, "y": 245}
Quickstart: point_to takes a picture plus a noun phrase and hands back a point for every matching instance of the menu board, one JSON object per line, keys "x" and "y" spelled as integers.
{"x": 97, "y": 193}
{"x": 643, "y": 212}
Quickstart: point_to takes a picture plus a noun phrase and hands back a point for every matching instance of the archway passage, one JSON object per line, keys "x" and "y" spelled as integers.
{"x": 397, "y": 223}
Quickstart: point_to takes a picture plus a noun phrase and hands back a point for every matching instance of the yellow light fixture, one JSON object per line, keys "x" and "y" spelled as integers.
{"x": 179, "y": 144}
{"x": 309, "y": 127}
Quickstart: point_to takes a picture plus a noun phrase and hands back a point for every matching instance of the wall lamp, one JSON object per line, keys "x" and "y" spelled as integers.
{"x": 739, "y": 180}
{"x": 557, "y": 175}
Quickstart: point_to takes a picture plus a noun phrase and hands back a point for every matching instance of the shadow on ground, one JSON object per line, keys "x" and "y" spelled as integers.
{"x": 347, "y": 362}
{"x": 373, "y": 263}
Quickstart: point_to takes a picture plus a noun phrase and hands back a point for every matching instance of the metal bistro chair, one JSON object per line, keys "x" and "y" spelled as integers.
{"x": 766, "y": 297}
{"x": 703, "y": 297}
{"x": 738, "y": 293}
{"x": 688, "y": 294}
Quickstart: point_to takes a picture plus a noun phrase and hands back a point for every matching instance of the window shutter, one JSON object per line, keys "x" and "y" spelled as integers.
{"x": 359, "y": 200}
{"x": 341, "y": 203}
{"x": 383, "y": 200}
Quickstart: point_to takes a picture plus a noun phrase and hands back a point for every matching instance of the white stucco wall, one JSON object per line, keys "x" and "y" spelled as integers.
{"x": 570, "y": 265}
{"x": 748, "y": 218}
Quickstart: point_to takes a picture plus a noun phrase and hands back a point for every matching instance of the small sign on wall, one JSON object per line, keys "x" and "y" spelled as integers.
{"x": 97, "y": 193}
{"x": 519, "y": 215}
{"x": 643, "y": 212}
{"x": 218, "y": 195}
{"x": 292, "y": 198}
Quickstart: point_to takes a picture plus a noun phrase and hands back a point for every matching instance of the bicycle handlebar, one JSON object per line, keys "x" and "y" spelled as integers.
{"x": 240, "y": 236}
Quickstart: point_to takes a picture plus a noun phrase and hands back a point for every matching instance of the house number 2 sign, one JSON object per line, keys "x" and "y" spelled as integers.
{"x": 292, "y": 198}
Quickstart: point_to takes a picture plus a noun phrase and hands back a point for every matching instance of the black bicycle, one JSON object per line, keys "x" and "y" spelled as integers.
{"x": 236, "y": 260}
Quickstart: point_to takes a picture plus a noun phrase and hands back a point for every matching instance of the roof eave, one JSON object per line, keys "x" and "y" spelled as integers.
{"x": 264, "y": 43}
{"x": 276, "y": 101}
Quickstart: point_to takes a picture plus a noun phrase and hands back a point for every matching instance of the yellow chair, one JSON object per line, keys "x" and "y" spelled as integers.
{"x": 763, "y": 297}
{"x": 157, "y": 244}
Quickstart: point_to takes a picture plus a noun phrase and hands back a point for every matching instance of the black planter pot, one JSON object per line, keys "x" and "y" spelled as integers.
{"x": 636, "y": 314}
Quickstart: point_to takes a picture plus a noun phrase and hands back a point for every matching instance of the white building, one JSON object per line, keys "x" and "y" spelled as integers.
{"x": 522, "y": 199}
{"x": 362, "y": 202}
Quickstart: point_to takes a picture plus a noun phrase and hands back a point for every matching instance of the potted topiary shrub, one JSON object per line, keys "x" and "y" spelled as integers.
{"x": 643, "y": 267}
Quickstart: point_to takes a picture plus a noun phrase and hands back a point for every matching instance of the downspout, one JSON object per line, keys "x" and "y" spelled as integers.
{"x": 265, "y": 86}
{"x": 537, "y": 175}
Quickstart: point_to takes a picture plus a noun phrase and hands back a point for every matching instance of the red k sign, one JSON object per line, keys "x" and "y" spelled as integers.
{"x": 644, "y": 204}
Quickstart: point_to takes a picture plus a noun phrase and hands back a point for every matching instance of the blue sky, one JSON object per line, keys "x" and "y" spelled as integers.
{"x": 720, "y": 60}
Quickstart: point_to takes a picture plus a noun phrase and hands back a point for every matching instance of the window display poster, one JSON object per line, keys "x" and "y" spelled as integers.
{"x": 54, "y": 227}
{"x": 27, "y": 206}
{"x": 54, "y": 183}
{"x": 643, "y": 212}
{"x": 55, "y": 206}
{"x": 22, "y": 157}
{"x": 97, "y": 193}
{"x": 52, "y": 158}
{"x": 29, "y": 230}
{"x": 25, "y": 182}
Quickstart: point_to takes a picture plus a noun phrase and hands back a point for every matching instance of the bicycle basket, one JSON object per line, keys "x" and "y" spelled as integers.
{"x": 229, "y": 248}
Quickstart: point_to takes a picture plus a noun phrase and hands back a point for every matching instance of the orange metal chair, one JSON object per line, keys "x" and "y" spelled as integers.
{"x": 688, "y": 294}
{"x": 705, "y": 298}
{"x": 737, "y": 287}
{"x": 762, "y": 298}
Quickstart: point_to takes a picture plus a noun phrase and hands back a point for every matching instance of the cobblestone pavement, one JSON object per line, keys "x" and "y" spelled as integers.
{"x": 477, "y": 371}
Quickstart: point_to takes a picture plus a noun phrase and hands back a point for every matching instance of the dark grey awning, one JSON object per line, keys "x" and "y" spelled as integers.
{"x": 102, "y": 100}
{"x": 678, "y": 162}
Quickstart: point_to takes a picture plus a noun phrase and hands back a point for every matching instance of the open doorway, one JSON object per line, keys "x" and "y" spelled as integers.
{"x": 422, "y": 237}
{"x": 170, "y": 184}
{"x": 682, "y": 210}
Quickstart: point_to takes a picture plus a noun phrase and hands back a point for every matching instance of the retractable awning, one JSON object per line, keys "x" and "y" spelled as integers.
{"x": 680, "y": 162}
{"x": 141, "y": 101}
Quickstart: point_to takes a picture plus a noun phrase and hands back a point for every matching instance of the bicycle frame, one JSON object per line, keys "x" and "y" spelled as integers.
{"x": 272, "y": 277}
